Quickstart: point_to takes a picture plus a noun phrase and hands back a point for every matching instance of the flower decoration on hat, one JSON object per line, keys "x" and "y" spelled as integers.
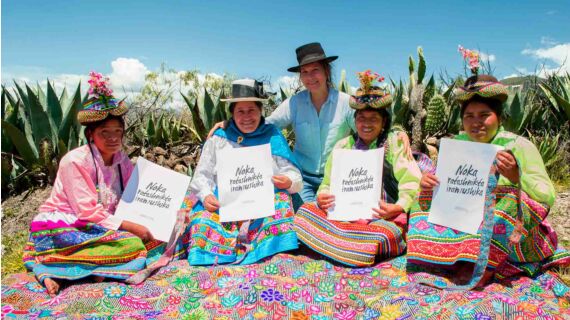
{"x": 472, "y": 58}
{"x": 98, "y": 85}
{"x": 369, "y": 95}
{"x": 102, "y": 103}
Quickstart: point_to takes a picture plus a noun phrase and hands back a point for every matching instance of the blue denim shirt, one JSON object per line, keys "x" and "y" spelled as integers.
{"x": 315, "y": 134}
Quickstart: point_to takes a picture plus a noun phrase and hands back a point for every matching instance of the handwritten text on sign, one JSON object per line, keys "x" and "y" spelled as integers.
{"x": 153, "y": 197}
{"x": 244, "y": 183}
{"x": 356, "y": 182}
{"x": 463, "y": 169}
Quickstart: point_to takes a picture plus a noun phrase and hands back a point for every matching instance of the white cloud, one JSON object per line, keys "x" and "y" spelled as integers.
{"x": 558, "y": 54}
{"x": 127, "y": 73}
{"x": 548, "y": 41}
{"x": 285, "y": 82}
{"x": 487, "y": 57}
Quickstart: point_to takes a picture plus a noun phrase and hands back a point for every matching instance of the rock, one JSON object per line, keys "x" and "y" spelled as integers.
{"x": 159, "y": 151}
{"x": 160, "y": 160}
{"x": 181, "y": 168}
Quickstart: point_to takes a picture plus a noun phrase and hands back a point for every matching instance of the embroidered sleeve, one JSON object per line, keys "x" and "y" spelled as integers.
{"x": 204, "y": 180}
{"x": 406, "y": 172}
{"x": 534, "y": 178}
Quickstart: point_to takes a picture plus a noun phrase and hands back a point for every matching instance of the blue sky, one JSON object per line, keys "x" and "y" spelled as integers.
{"x": 258, "y": 38}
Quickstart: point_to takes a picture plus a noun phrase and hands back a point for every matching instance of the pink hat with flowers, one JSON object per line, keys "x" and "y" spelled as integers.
{"x": 482, "y": 85}
{"x": 102, "y": 103}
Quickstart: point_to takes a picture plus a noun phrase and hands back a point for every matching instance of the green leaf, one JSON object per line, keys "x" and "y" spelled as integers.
{"x": 209, "y": 107}
{"x": 64, "y": 101}
{"x": 454, "y": 122}
{"x": 421, "y": 65}
{"x": 448, "y": 92}
{"x": 411, "y": 66}
{"x": 283, "y": 95}
{"x": 198, "y": 126}
{"x": 27, "y": 151}
{"x": 53, "y": 106}
{"x": 70, "y": 118}
{"x": 41, "y": 97}
{"x": 557, "y": 101}
{"x": 151, "y": 131}
{"x": 4, "y": 105}
{"x": 23, "y": 95}
{"x": 61, "y": 149}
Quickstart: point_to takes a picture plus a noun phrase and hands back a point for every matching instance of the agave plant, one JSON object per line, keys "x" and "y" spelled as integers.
{"x": 206, "y": 113}
{"x": 548, "y": 146}
{"x": 557, "y": 90}
{"x": 518, "y": 112}
{"x": 38, "y": 130}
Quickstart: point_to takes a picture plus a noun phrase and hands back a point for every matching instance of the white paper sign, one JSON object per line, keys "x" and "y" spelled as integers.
{"x": 245, "y": 189}
{"x": 463, "y": 170}
{"x": 356, "y": 182}
{"x": 153, "y": 197}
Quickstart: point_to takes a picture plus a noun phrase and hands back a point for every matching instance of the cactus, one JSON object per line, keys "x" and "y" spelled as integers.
{"x": 435, "y": 114}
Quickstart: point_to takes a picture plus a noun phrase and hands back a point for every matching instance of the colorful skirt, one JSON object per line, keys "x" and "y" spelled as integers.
{"x": 436, "y": 245}
{"x": 62, "y": 247}
{"x": 352, "y": 244}
{"x": 212, "y": 242}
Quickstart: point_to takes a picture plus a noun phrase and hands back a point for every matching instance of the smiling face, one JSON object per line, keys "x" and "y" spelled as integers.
{"x": 369, "y": 124}
{"x": 314, "y": 76}
{"x": 247, "y": 116}
{"x": 108, "y": 137}
{"x": 480, "y": 122}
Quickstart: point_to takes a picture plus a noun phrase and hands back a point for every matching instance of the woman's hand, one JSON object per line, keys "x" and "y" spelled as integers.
{"x": 428, "y": 182}
{"x": 138, "y": 230}
{"x": 221, "y": 124}
{"x": 211, "y": 203}
{"x": 325, "y": 200}
{"x": 282, "y": 182}
{"x": 403, "y": 137}
{"x": 387, "y": 211}
{"x": 507, "y": 166}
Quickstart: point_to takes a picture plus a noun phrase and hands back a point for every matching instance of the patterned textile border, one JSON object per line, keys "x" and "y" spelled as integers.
{"x": 287, "y": 287}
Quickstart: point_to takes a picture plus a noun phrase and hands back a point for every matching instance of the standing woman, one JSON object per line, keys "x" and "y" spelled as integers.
{"x": 75, "y": 234}
{"x": 320, "y": 117}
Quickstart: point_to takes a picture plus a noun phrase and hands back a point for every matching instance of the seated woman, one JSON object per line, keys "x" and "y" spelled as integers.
{"x": 75, "y": 234}
{"x": 521, "y": 239}
{"x": 359, "y": 243}
{"x": 243, "y": 242}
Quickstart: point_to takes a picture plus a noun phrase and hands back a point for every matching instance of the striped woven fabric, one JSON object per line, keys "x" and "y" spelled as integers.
{"x": 77, "y": 251}
{"x": 437, "y": 245}
{"x": 349, "y": 243}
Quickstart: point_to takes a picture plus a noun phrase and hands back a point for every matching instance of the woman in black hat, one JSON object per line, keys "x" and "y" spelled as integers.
{"x": 243, "y": 242}
{"x": 320, "y": 117}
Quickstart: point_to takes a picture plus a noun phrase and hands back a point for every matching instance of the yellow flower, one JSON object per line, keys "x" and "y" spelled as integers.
{"x": 390, "y": 312}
